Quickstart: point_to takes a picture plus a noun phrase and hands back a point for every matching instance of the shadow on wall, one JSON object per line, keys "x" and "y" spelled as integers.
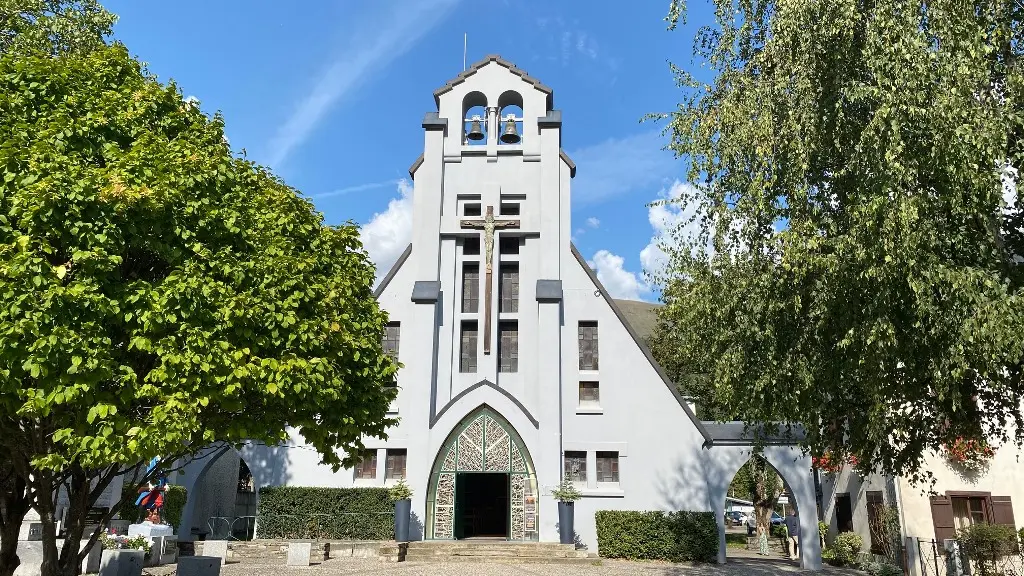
{"x": 415, "y": 526}
{"x": 684, "y": 485}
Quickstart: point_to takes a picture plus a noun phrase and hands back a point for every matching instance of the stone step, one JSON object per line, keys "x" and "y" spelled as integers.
{"x": 494, "y": 554}
{"x": 587, "y": 561}
{"x": 464, "y": 545}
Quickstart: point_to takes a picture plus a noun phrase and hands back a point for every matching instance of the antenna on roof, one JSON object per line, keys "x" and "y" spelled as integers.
{"x": 465, "y": 38}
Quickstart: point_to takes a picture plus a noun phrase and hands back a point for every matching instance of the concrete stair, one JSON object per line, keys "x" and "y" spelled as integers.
{"x": 496, "y": 551}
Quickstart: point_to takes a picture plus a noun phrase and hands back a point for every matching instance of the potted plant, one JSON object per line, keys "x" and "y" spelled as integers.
{"x": 971, "y": 455}
{"x": 401, "y": 495}
{"x": 566, "y": 494}
{"x": 123, "y": 555}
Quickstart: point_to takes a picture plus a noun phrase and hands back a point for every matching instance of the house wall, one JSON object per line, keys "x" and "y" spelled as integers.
{"x": 1004, "y": 477}
{"x": 850, "y": 482}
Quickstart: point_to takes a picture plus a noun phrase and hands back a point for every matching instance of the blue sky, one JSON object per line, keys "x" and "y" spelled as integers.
{"x": 330, "y": 95}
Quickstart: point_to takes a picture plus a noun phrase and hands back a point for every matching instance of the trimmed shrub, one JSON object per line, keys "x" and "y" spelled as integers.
{"x": 291, "y": 512}
{"x": 674, "y": 536}
{"x": 882, "y": 569}
{"x": 847, "y": 546}
{"x": 778, "y": 531}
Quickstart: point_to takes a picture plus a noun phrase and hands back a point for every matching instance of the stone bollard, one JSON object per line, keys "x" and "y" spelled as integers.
{"x": 298, "y": 553}
{"x": 216, "y": 549}
{"x": 198, "y": 566}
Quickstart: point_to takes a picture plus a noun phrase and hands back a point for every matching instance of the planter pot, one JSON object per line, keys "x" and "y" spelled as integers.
{"x": 122, "y": 562}
{"x": 403, "y": 511}
{"x": 566, "y": 532}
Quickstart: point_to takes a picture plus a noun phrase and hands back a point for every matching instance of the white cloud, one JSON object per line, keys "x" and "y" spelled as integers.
{"x": 670, "y": 223}
{"x": 620, "y": 165}
{"x": 356, "y": 188}
{"x": 593, "y": 222}
{"x": 388, "y": 233}
{"x": 619, "y": 282}
{"x": 377, "y": 39}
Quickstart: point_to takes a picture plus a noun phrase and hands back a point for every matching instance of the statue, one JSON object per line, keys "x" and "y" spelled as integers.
{"x": 151, "y": 498}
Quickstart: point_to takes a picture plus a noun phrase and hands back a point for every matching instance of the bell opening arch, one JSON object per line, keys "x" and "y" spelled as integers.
{"x": 483, "y": 462}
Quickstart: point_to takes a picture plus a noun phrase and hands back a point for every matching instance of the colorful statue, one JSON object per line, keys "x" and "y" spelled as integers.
{"x": 152, "y": 498}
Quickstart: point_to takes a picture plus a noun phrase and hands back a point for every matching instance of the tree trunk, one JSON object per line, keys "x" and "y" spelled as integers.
{"x": 15, "y": 502}
{"x": 46, "y": 494}
{"x": 9, "y": 560}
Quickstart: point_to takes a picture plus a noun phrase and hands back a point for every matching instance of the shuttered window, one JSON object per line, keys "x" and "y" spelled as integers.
{"x": 367, "y": 467}
{"x": 588, "y": 345}
{"x": 394, "y": 464}
{"x": 509, "y": 290}
{"x": 1002, "y": 511}
{"x": 467, "y": 350}
{"x": 508, "y": 347}
{"x": 942, "y": 518}
{"x": 608, "y": 467}
{"x": 470, "y": 287}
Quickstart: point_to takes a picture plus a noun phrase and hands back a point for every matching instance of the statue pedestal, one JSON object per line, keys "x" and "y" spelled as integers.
{"x": 162, "y": 539}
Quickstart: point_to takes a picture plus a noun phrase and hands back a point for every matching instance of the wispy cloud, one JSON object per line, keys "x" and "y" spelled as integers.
{"x": 620, "y": 166}
{"x": 357, "y": 188}
{"x": 378, "y": 38}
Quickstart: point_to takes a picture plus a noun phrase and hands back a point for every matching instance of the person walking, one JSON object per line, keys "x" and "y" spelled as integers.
{"x": 793, "y": 534}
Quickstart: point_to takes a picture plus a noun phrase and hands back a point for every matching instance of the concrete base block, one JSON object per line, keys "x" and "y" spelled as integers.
{"x": 122, "y": 563}
{"x": 198, "y": 566}
{"x": 216, "y": 549}
{"x": 298, "y": 553}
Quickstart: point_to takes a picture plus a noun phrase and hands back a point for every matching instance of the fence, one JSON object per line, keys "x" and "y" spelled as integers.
{"x": 232, "y": 528}
{"x": 948, "y": 558}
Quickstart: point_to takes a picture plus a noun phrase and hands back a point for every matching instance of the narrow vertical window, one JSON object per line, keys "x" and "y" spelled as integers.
{"x": 576, "y": 467}
{"x": 394, "y": 465}
{"x": 508, "y": 347}
{"x": 367, "y": 467}
{"x": 470, "y": 287}
{"x": 608, "y": 467}
{"x": 392, "y": 335}
{"x": 588, "y": 345}
{"x": 467, "y": 356}
{"x": 509, "y": 287}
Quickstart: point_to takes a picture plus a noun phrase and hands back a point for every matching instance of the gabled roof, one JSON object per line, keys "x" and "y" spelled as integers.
{"x": 643, "y": 347}
{"x": 473, "y": 68}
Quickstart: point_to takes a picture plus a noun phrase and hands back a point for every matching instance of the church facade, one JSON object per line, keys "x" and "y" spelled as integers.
{"x": 518, "y": 367}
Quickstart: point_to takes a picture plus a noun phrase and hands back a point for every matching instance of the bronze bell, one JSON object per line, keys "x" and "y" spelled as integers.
{"x": 510, "y": 135}
{"x": 476, "y": 132}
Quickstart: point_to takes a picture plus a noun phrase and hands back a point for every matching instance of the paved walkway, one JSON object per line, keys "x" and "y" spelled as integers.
{"x": 373, "y": 567}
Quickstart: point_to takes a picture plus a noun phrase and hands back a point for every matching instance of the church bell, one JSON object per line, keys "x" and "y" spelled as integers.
{"x": 510, "y": 135}
{"x": 476, "y": 132}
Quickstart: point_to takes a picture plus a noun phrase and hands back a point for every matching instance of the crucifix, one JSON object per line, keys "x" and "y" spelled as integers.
{"x": 488, "y": 224}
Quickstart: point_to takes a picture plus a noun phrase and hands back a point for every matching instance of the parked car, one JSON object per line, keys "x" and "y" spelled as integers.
{"x": 735, "y": 518}
{"x": 752, "y": 522}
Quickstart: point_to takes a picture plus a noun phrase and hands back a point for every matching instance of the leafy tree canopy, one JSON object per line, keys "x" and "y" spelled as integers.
{"x": 53, "y": 27}
{"x": 858, "y": 265}
{"x": 159, "y": 294}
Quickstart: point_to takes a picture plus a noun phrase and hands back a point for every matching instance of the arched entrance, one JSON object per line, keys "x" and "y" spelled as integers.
{"x": 482, "y": 483}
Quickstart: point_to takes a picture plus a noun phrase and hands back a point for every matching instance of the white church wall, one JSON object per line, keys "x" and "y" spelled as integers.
{"x": 660, "y": 452}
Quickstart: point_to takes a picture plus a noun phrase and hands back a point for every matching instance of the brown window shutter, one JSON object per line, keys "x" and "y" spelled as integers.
{"x": 942, "y": 518}
{"x": 1002, "y": 511}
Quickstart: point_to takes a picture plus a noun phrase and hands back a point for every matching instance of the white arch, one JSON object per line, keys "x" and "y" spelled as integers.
{"x": 723, "y": 462}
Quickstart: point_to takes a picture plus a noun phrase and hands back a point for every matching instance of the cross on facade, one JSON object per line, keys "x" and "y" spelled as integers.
{"x": 488, "y": 224}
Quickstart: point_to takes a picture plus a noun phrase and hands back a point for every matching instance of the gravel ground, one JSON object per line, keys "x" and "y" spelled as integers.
{"x": 373, "y": 567}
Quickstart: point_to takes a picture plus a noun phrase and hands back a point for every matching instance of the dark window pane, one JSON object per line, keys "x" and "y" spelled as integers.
{"x": 589, "y": 393}
{"x": 471, "y": 246}
{"x": 471, "y": 209}
{"x": 509, "y": 208}
{"x": 588, "y": 346}
{"x": 508, "y": 347}
{"x": 470, "y": 287}
{"x": 367, "y": 468}
{"x": 508, "y": 244}
{"x": 509, "y": 288}
{"x": 607, "y": 466}
{"x": 467, "y": 360}
{"x": 576, "y": 466}
{"x": 394, "y": 466}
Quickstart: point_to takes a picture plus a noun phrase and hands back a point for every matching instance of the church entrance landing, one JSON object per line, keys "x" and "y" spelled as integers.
{"x": 483, "y": 483}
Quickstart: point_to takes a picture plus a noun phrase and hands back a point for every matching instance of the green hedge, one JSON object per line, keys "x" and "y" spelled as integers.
{"x": 674, "y": 536}
{"x": 325, "y": 513}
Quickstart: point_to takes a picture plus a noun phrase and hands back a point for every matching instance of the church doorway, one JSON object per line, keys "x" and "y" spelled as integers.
{"x": 482, "y": 484}
{"x": 481, "y": 505}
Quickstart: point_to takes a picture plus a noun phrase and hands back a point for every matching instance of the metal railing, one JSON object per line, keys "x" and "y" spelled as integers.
{"x": 232, "y": 528}
{"x": 949, "y": 558}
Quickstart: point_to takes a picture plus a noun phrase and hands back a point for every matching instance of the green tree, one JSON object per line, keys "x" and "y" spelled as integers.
{"x": 159, "y": 294}
{"x": 759, "y": 482}
{"x": 53, "y": 27}
{"x": 854, "y": 169}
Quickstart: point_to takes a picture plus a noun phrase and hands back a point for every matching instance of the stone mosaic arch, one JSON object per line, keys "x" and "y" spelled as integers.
{"x": 482, "y": 442}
